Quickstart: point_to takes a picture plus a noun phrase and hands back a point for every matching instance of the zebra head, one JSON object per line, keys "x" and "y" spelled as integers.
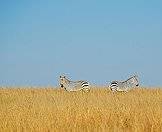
{"x": 63, "y": 81}
{"x": 134, "y": 80}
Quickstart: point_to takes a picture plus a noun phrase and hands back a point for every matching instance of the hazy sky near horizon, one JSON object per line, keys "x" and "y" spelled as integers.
{"x": 90, "y": 40}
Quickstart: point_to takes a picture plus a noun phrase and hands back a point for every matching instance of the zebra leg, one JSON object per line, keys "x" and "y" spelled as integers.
{"x": 120, "y": 90}
{"x": 113, "y": 89}
{"x": 86, "y": 90}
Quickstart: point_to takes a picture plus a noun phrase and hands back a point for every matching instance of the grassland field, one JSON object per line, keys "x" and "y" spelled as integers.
{"x": 28, "y": 109}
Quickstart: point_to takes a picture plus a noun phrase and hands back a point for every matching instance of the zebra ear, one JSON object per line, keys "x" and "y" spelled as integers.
{"x": 136, "y": 76}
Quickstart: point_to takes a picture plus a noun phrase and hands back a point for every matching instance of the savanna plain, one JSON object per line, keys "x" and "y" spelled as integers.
{"x": 38, "y": 109}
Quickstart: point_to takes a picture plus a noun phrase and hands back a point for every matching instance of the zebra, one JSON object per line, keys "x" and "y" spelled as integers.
{"x": 124, "y": 86}
{"x": 70, "y": 86}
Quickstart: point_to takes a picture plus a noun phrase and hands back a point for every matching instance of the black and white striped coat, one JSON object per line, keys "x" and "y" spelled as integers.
{"x": 124, "y": 85}
{"x": 69, "y": 85}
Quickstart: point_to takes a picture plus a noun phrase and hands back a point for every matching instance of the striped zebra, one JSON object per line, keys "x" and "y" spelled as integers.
{"x": 70, "y": 86}
{"x": 124, "y": 86}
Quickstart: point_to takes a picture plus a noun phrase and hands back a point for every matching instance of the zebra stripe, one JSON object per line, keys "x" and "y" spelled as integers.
{"x": 85, "y": 84}
{"x": 69, "y": 85}
{"x": 124, "y": 85}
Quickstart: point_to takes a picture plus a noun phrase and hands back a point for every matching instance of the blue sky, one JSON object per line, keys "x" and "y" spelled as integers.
{"x": 90, "y": 40}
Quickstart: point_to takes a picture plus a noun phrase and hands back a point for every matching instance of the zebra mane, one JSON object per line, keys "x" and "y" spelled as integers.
{"x": 67, "y": 79}
{"x": 135, "y": 76}
{"x": 72, "y": 81}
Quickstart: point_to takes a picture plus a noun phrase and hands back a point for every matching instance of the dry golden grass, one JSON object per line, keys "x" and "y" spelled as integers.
{"x": 49, "y": 109}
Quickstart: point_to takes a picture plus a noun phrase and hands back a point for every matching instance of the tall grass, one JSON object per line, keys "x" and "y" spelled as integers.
{"x": 49, "y": 109}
